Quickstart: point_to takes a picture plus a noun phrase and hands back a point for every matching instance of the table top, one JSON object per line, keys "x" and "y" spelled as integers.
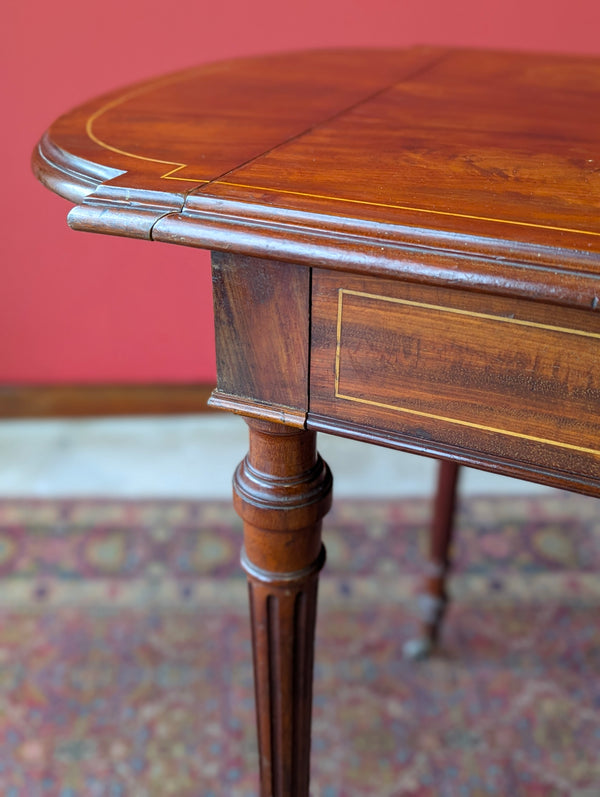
{"x": 443, "y": 166}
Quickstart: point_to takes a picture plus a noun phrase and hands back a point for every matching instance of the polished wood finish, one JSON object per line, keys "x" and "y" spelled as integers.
{"x": 410, "y": 256}
{"x": 84, "y": 401}
{"x": 282, "y": 490}
{"x": 261, "y": 312}
{"x": 133, "y": 155}
{"x": 463, "y": 371}
{"x": 399, "y": 163}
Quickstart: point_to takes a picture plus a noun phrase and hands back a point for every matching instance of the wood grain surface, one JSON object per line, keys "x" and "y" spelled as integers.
{"x": 262, "y": 320}
{"x": 401, "y": 163}
{"x": 495, "y": 376}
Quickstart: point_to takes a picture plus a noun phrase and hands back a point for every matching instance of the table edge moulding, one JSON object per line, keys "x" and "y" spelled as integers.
{"x": 406, "y": 251}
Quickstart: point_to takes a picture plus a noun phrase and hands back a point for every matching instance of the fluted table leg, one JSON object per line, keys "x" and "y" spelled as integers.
{"x": 282, "y": 490}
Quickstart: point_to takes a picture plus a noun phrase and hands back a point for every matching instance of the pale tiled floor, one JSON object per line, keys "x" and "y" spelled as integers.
{"x": 192, "y": 457}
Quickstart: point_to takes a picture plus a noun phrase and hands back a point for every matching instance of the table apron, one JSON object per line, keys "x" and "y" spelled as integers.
{"x": 486, "y": 379}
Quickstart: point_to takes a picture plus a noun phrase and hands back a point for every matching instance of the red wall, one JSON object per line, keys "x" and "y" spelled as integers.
{"x": 87, "y": 308}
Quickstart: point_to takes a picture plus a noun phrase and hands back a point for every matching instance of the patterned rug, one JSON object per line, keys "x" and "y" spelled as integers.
{"x": 125, "y": 664}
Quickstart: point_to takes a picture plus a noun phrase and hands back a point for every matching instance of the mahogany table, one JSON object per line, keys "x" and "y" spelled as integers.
{"x": 406, "y": 252}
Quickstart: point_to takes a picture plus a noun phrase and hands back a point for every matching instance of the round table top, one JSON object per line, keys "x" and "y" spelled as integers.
{"x": 392, "y": 161}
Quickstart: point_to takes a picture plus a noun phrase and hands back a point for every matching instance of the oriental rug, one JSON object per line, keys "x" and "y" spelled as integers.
{"x": 125, "y": 662}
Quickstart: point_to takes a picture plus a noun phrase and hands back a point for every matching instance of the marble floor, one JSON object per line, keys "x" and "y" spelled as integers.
{"x": 192, "y": 457}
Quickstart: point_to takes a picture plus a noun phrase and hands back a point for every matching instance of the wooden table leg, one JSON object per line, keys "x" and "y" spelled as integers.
{"x": 282, "y": 490}
{"x": 434, "y": 598}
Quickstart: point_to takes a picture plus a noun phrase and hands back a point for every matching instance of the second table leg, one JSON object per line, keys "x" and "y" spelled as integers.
{"x": 434, "y": 597}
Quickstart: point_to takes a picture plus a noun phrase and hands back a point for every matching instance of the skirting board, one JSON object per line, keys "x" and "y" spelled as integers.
{"x": 52, "y": 401}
